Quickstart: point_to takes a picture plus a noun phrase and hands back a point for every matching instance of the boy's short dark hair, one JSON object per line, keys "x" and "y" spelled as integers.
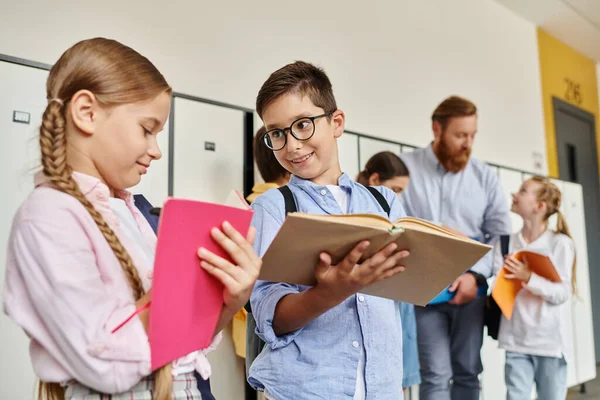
{"x": 268, "y": 166}
{"x": 300, "y": 78}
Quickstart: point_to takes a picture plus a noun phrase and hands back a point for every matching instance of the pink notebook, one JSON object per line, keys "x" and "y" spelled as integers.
{"x": 186, "y": 300}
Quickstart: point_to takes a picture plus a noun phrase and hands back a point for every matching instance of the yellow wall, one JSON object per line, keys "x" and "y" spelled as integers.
{"x": 559, "y": 62}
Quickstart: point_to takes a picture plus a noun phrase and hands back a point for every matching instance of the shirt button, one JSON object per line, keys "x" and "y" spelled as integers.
{"x": 361, "y": 298}
{"x": 355, "y": 344}
{"x": 323, "y": 192}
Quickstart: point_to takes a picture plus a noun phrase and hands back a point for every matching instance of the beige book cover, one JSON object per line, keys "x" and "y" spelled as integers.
{"x": 437, "y": 255}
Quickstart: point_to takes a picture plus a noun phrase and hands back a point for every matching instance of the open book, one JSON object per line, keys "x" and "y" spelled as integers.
{"x": 506, "y": 290}
{"x": 438, "y": 255}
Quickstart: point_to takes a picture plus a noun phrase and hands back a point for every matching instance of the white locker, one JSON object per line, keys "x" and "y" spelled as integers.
{"x": 583, "y": 340}
{"x": 21, "y": 89}
{"x": 202, "y": 174}
{"x": 511, "y": 183}
{"x": 348, "y": 154}
{"x": 492, "y": 378}
{"x": 155, "y": 184}
{"x": 571, "y": 366}
{"x": 369, "y": 147}
{"x": 210, "y": 176}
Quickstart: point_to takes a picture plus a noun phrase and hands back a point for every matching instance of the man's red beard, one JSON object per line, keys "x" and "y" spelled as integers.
{"x": 452, "y": 161}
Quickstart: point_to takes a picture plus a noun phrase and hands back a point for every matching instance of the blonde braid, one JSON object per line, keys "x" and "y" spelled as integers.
{"x": 53, "y": 144}
{"x": 116, "y": 74}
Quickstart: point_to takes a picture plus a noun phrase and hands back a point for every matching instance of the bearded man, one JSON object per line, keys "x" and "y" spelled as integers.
{"x": 450, "y": 188}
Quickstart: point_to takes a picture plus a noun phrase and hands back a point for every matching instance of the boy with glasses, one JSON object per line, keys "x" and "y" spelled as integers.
{"x": 327, "y": 341}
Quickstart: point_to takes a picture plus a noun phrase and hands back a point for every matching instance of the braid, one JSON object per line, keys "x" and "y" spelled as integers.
{"x": 116, "y": 75}
{"x": 551, "y": 195}
{"x": 53, "y": 144}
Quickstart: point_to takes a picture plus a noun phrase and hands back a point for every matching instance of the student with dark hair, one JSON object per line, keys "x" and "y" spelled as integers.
{"x": 270, "y": 170}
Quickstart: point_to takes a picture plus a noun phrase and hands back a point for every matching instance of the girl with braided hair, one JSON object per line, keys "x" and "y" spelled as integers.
{"x": 536, "y": 336}
{"x": 80, "y": 254}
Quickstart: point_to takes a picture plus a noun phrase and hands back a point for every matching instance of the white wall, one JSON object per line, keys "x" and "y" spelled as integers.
{"x": 391, "y": 62}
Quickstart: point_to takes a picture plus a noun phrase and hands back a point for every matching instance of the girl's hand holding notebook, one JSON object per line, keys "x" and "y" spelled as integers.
{"x": 519, "y": 270}
{"x": 237, "y": 279}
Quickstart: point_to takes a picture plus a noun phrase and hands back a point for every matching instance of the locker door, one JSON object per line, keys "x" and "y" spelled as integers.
{"x": 582, "y": 304}
{"x": 201, "y": 173}
{"x": 369, "y": 147}
{"x": 571, "y": 367}
{"x": 348, "y": 153}
{"x": 21, "y": 89}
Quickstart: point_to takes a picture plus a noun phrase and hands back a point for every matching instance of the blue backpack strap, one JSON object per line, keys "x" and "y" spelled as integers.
{"x": 380, "y": 199}
{"x": 290, "y": 207}
{"x": 146, "y": 209}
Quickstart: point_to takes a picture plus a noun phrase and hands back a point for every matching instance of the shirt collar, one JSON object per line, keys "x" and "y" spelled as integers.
{"x": 432, "y": 158}
{"x": 92, "y": 188}
{"x": 344, "y": 182}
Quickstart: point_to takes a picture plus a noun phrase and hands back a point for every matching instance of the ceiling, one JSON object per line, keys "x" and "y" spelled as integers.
{"x": 574, "y": 22}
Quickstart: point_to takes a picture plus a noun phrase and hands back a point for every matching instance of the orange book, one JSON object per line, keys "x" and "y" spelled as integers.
{"x": 506, "y": 290}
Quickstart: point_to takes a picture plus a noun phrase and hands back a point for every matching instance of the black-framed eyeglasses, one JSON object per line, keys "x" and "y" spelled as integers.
{"x": 301, "y": 129}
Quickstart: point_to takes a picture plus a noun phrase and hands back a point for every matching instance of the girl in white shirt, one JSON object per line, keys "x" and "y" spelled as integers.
{"x": 535, "y": 338}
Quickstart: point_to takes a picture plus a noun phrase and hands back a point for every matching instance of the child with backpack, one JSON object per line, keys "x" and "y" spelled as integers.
{"x": 328, "y": 341}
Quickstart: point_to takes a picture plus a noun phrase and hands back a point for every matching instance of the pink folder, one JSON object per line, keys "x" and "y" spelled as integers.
{"x": 186, "y": 300}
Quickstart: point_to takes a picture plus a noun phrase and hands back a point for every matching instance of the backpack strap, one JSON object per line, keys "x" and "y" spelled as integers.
{"x": 504, "y": 242}
{"x": 290, "y": 207}
{"x": 144, "y": 206}
{"x": 380, "y": 199}
{"x": 288, "y": 197}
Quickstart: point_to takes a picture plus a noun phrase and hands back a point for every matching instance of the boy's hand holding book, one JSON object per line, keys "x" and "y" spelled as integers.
{"x": 338, "y": 282}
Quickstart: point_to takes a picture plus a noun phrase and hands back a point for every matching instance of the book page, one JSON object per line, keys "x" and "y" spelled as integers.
{"x": 235, "y": 199}
{"x": 416, "y": 223}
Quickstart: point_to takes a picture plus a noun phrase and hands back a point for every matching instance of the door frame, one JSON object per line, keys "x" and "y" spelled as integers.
{"x": 582, "y": 115}
{"x": 576, "y": 112}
